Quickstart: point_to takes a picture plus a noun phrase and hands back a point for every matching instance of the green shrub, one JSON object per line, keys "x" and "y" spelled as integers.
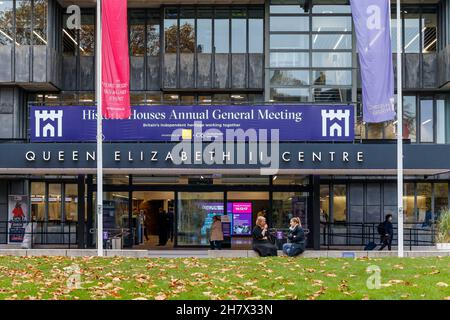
{"x": 443, "y": 227}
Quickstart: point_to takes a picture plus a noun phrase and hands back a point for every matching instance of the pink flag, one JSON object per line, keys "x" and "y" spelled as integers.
{"x": 115, "y": 60}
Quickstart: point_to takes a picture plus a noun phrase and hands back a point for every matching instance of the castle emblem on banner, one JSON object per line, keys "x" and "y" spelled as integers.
{"x": 335, "y": 123}
{"x": 48, "y": 123}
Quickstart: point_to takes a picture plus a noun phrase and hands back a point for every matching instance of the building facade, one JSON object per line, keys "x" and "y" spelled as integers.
{"x": 238, "y": 53}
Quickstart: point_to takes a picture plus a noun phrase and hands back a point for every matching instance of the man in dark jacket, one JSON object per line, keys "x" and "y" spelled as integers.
{"x": 386, "y": 238}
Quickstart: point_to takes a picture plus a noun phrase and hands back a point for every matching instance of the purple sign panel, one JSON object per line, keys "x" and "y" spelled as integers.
{"x": 372, "y": 26}
{"x": 242, "y": 218}
{"x": 174, "y": 123}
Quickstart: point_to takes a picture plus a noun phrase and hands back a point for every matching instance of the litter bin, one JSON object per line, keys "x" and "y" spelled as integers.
{"x": 116, "y": 243}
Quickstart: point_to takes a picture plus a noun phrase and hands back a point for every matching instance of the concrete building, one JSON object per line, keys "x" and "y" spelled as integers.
{"x": 241, "y": 53}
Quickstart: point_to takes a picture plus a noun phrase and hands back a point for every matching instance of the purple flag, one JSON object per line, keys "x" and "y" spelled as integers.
{"x": 371, "y": 19}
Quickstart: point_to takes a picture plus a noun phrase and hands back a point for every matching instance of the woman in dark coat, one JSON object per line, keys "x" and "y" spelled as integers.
{"x": 296, "y": 238}
{"x": 261, "y": 242}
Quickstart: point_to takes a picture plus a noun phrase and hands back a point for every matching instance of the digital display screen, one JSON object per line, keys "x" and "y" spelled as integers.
{"x": 242, "y": 218}
{"x": 239, "y": 216}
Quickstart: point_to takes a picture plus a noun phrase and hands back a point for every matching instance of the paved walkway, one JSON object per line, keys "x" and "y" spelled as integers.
{"x": 213, "y": 254}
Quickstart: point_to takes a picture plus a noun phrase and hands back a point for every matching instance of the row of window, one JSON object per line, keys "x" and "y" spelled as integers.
{"x": 23, "y": 22}
{"x": 370, "y": 202}
{"x": 218, "y": 30}
{"x": 425, "y": 120}
{"x": 310, "y": 52}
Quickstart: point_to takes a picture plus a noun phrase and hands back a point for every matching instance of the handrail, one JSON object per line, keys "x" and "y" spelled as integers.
{"x": 361, "y": 233}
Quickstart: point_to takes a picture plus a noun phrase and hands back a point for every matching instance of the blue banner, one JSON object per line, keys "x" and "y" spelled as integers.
{"x": 173, "y": 123}
{"x": 372, "y": 27}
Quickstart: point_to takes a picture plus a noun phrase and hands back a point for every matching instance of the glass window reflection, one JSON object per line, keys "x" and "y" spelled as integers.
{"x": 289, "y": 41}
{"x": 332, "y": 59}
{"x": 289, "y": 24}
{"x": 23, "y": 22}
{"x": 289, "y": 59}
{"x": 412, "y": 33}
{"x": 239, "y": 31}
{"x": 426, "y": 120}
{"x": 204, "y": 31}
{"x": 221, "y": 31}
{"x": 289, "y": 77}
{"x": 6, "y": 22}
{"x": 333, "y": 23}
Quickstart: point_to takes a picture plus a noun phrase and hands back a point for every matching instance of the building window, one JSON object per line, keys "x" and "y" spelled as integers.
{"x": 153, "y": 34}
{"x": 204, "y": 31}
{"x": 38, "y": 201}
{"x": 256, "y": 30}
{"x": 238, "y": 30}
{"x": 340, "y": 203}
{"x": 23, "y": 22}
{"x": 298, "y": 33}
{"x": 194, "y": 215}
{"x": 426, "y": 120}
{"x": 6, "y": 22}
{"x": 440, "y": 198}
{"x": 137, "y": 33}
{"x": 409, "y": 201}
{"x": 71, "y": 202}
{"x": 171, "y": 30}
{"x": 187, "y": 31}
{"x": 419, "y": 29}
{"x": 423, "y": 211}
{"x": 87, "y": 35}
{"x": 222, "y": 31}
{"x": 40, "y": 22}
{"x": 324, "y": 203}
{"x": 409, "y": 118}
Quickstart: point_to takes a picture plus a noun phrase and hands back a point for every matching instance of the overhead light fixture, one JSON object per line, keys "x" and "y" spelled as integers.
{"x": 426, "y": 121}
{"x": 275, "y": 178}
{"x": 51, "y": 97}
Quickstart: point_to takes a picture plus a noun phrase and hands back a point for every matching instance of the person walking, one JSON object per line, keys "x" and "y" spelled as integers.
{"x": 386, "y": 231}
{"x": 296, "y": 238}
{"x": 261, "y": 239}
{"x": 216, "y": 237}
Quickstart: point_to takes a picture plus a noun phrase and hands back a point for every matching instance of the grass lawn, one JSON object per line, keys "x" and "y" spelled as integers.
{"x": 252, "y": 278}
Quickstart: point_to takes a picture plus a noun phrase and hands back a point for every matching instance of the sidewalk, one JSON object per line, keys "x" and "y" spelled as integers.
{"x": 213, "y": 254}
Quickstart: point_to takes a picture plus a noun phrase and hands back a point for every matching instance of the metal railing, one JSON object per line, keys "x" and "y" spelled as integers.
{"x": 361, "y": 233}
{"x": 52, "y": 232}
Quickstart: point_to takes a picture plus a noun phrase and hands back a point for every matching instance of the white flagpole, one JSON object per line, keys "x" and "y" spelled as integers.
{"x": 399, "y": 135}
{"x": 98, "y": 89}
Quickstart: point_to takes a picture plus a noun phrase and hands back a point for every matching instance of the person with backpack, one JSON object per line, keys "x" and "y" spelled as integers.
{"x": 386, "y": 232}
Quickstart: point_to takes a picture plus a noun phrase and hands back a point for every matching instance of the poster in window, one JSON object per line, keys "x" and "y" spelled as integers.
{"x": 17, "y": 218}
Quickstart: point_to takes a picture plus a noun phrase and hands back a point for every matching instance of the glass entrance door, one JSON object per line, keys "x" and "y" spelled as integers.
{"x": 195, "y": 214}
{"x": 153, "y": 219}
